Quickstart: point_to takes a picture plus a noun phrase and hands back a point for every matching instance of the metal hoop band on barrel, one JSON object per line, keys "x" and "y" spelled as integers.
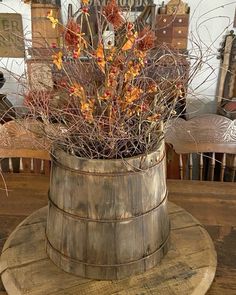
{"x": 107, "y": 220}
{"x": 91, "y": 173}
{"x": 111, "y": 265}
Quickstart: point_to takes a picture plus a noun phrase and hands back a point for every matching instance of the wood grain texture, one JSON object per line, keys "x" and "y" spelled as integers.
{"x": 172, "y": 30}
{"x": 103, "y": 209}
{"x": 25, "y": 194}
{"x": 43, "y": 35}
{"x": 188, "y": 268}
{"x": 213, "y": 203}
{"x": 208, "y": 134}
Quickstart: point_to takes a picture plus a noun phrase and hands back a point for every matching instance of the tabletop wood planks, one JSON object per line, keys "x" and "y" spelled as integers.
{"x": 212, "y": 203}
{"x": 188, "y": 268}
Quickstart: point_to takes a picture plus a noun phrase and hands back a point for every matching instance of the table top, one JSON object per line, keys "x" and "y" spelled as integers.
{"x": 212, "y": 203}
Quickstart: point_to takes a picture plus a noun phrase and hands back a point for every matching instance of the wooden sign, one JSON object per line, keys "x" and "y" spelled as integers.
{"x": 11, "y": 35}
{"x": 52, "y": 2}
{"x": 39, "y": 75}
{"x": 133, "y": 5}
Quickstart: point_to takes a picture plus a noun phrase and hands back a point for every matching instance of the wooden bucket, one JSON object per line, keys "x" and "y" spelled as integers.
{"x": 107, "y": 218}
{"x": 43, "y": 34}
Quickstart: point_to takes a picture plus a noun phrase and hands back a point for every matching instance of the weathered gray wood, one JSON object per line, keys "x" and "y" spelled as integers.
{"x": 225, "y": 65}
{"x": 213, "y": 203}
{"x": 188, "y": 268}
{"x": 103, "y": 210}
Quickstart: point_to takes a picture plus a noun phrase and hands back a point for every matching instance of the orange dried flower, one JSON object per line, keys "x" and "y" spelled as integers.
{"x": 112, "y": 13}
{"x": 129, "y": 44}
{"x": 82, "y": 43}
{"x": 57, "y": 60}
{"x": 87, "y": 110}
{"x": 152, "y": 87}
{"x": 145, "y": 40}
{"x": 106, "y": 96}
{"x": 118, "y": 62}
{"x": 154, "y": 117}
{"x": 133, "y": 94}
{"x": 77, "y": 90}
{"x": 100, "y": 57}
{"x": 133, "y": 71}
{"x": 71, "y": 34}
{"x": 52, "y": 19}
{"x": 76, "y": 53}
{"x": 85, "y": 2}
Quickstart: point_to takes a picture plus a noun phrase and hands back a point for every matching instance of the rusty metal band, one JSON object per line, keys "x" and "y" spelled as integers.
{"x": 110, "y": 265}
{"x": 134, "y": 171}
{"x": 106, "y": 220}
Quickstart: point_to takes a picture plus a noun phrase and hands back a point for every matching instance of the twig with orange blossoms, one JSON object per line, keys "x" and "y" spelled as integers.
{"x": 86, "y": 106}
{"x": 57, "y": 60}
{"x": 145, "y": 40}
{"x": 132, "y": 71}
{"x": 75, "y": 38}
{"x": 110, "y": 100}
{"x": 87, "y": 109}
{"x": 100, "y": 57}
{"x": 132, "y": 94}
{"x": 52, "y": 19}
{"x": 131, "y": 38}
{"x": 113, "y": 14}
{"x": 72, "y": 31}
{"x": 78, "y": 90}
{"x": 85, "y": 2}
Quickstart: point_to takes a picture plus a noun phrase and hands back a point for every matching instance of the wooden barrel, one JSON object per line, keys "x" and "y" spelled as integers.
{"x": 107, "y": 218}
{"x": 43, "y": 34}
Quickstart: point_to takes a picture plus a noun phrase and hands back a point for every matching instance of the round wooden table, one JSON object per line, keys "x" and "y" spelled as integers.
{"x": 188, "y": 268}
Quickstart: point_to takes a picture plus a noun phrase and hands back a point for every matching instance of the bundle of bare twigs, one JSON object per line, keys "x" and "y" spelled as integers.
{"x": 109, "y": 98}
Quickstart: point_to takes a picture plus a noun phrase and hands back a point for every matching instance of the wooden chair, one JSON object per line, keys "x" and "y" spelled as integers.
{"x": 23, "y": 149}
{"x": 212, "y": 139}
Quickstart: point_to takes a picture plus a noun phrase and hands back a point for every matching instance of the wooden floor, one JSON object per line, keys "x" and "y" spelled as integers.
{"x": 214, "y": 204}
